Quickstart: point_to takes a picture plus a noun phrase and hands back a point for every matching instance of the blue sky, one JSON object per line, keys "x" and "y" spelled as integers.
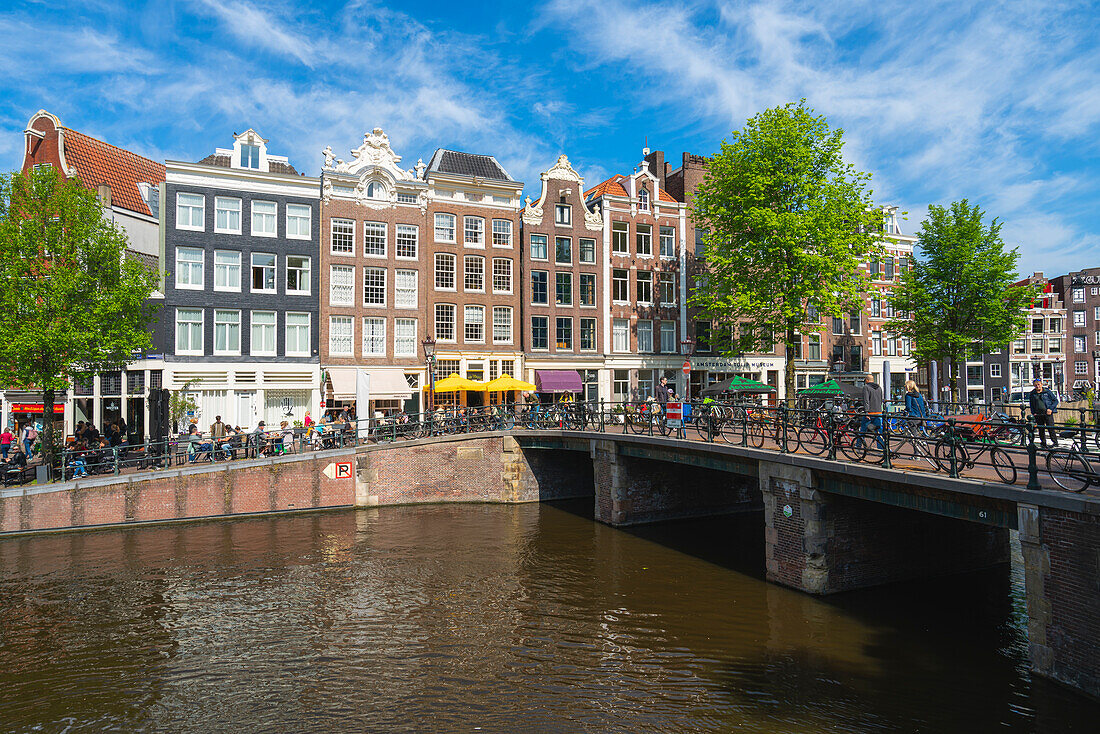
{"x": 997, "y": 102}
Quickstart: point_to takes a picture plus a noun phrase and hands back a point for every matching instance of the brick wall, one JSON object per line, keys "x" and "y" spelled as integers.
{"x": 1062, "y": 576}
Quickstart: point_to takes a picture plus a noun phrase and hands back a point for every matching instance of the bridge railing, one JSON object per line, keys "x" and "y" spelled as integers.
{"x": 996, "y": 448}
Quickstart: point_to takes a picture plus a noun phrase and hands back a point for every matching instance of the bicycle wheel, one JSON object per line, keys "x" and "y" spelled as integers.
{"x": 943, "y": 453}
{"x": 756, "y": 433}
{"x": 1068, "y": 470}
{"x": 813, "y": 440}
{"x": 849, "y": 444}
{"x": 1002, "y": 464}
{"x": 663, "y": 426}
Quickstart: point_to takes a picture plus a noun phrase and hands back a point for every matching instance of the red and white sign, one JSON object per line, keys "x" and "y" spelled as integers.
{"x": 674, "y": 411}
{"x": 686, "y": 369}
{"x": 343, "y": 470}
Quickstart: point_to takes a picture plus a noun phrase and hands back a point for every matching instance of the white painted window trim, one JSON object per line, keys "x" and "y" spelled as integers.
{"x": 240, "y": 272}
{"x": 309, "y": 275}
{"x": 331, "y": 224}
{"x": 351, "y": 342}
{"x": 385, "y": 241}
{"x": 252, "y": 218}
{"x": 252, "y": 349}
{"x": 202, "y": 270}
{"x": 240, "y": 215}
{"x": 190, "y": 227}
{"x": 385, "y": 287}
{"x": 202, "y": 333}
{"x": 286, "y": 333}
{"x": 227, "y": 352}
{"x": 251, "y": 265}
{"x": 363, "y": 344}
{"x": 308, "y": 218}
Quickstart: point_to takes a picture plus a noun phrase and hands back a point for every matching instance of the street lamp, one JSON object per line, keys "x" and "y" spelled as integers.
{"x": 428, "y": 343}
{"x": 687, "y": 348}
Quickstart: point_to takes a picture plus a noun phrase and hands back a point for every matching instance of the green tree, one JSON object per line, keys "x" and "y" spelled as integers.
{"x": 71, "y": 303}
{"x": 960, "y": 288}
{"x": 180, "y": 403}
{"x": 788, "y": 223}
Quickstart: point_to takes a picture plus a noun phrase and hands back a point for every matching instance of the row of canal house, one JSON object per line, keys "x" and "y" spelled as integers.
{"x": 278, "y": 286}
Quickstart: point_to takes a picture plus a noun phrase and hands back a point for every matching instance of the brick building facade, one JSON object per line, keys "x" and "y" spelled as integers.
{"x": 1080, "y": 295}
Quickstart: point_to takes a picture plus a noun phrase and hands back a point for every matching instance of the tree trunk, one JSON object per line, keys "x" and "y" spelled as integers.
{"x": 788, "y": 378}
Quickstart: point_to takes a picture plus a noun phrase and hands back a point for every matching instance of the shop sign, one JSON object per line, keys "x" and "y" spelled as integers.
{"x": 728, "y": 364}
{"x": 35, "y": 408}
{"x": 1085, "y": 280}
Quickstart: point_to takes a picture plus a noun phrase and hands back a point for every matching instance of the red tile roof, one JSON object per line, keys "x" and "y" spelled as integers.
{"x": 98, "y": 163}
{"x": 614, "y": 187}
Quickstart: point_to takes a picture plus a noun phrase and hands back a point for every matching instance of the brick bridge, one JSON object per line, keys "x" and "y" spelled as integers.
{"x": 829, "y": 526}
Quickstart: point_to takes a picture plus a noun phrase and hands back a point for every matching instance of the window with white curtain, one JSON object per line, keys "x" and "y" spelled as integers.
{"x": 190, "y": 211}
{"x": 189, "y": 331}
{"x": 405, "y": 289}
{"x": 227, "y": 270}
{"x": 341, "y": 285}
{"x": 297, "y": 334}
{"x": 645, "y": 336}
{"x": 404, "y": 337}
{"x": 189, "y": 267}
{"x": 341, "y": 335}
{"x": 374, "y": 337}
{"x": 620, "y": 335}
{"x": 668, "y": 337}
{"x": 264, "y": 214}
{"x": 227, "y": 215}
{"x": 298, "y": 225}
{"x": 227, "y": 331}
{"x": 263, "y": 333}
{"x": 502, "y": 325}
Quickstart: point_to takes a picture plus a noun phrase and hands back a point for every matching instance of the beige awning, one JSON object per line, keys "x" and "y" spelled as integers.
{"x": 388, "y": 384}
{"x": 342, "y": 380}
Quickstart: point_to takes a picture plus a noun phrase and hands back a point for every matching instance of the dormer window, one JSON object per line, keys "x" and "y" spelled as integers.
{"x": 890, "y": 224}
{"x": 375, "y": 190}
{"x": 250, "y": 156}
{"x": 643, "y": 200}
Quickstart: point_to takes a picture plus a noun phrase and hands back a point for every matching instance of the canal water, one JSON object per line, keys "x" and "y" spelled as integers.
{"x": 493, "y": 618}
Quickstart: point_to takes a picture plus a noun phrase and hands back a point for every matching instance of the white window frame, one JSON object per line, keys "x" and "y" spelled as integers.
{"x": 332, "y": 232}
{"x": 202, "y": 332}
{"x": 546, "y": 277}
{"x": 349, "y": 336}
{"x": 189, "y": 286}
{"x": 1079, "y": 321}
{"x": 545, "y": 247}
{"x": 454, "y": 323}
{"x": 643, "y": 232}
{"x": 446, "y": 257}
{"x": 298, "y": 218}
{"x": 468, "y": 309}
{"x": 1080, "y": 344}
{"x": 405, "y": 230}
{"x": 644, "y": 329}
{"x": 613, "y": 279}
{"x": 624, "y": 229}
{"x": 563, "y": 215}
{"x": 308, "y": 275}
{"x": 397, "y": 350}
{"x": 501, "y": 261}
{"x": 616, "y": 332}
{"x": 273, "y": 326}
{"x": 370, "y": 229}
{"x": 502, "y": 237}
{"x": 233, "y": 254}
{"x": 595, "y": 335}
{"x": 190, "y": 207}
{"x": 661, "y": 242}
{"x": 343, "y": 269}
{"x": 546, "y": 348}
{"x": 466, "y": 261}
{"x": 219, "y": 202}
{"x": 1078, "y": 295}
{"x": 638, "y": 280}
{"x": 227, "y": 352}
{"x": 502, "y": 310}
{"x": 398, "y": 289}
{"x": 667, "y": 328}
{"x": 385, "y": 284}
{"x": 274, "y": 270}
{"x": 661, "y": 279}
{"x": 443, "y": 216}
{"x": 478, "y": 243}
{"x": 309, "y": 333}
{"x": 274, "y": 218}
{"x": 373, "y": 335}
{"x": 580, "y": 290}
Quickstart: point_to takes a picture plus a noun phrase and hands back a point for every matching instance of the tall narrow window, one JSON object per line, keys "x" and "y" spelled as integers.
{"x": 668, "y": 337}
{"x": 502, "y": 275}
{"x": 588, "y": 335}
{"x": 404, "y": 287}
{"x": 444, "y": 227}
{"x": 474, "y": 324}
{"x": 587, "y": 250}
{"x": 645, "y": 286}
{"x": 227, "y": 331}
{"x": 668, "y": 242}
{"x": 188, "y": 331}
{"x": 565, "y": 333}
{"x": 588, "y": 289}
{"x": 563, "y": 214}
{"x": 445, "y": 322}
{"x": 620, "y": 335}
{"x": 374, "y": 239}
{"x": 643, "y": 199}
{"x": 644, "y": 240}
{"x": 404, "y": 337}
{"x": 297, "y": 334}
{"x": 341, "y": 336}
{"x": 474, "y": 231}
{"x": 540, "y": 332}
{"x": 407, "y": 240}
{"x": 620, "y": 286}
{"x": 502, "y": 233}
{"x": 619, "y": 238}
{"x": 263, "y": 333}
{"x": 374, "y": 337}
{"x": 227, "y": 270}
{"x": 645, "y": 336}
{"x": 539, "y": 247}
{"x": 563, "y": 250}
{"x": 563, "y": 289}
{"x": 341, "y": 285}
{"x": 250, "y": 156}
{"x": 343, "y": 237}
{"x": 668, "y": 289}
{"x": 474, "y": 273}
{"x": 374, "y": 286}
{"x": 502, "y": 325}
{"x": 444, "y": 271}
{"x": 540, "y": 293}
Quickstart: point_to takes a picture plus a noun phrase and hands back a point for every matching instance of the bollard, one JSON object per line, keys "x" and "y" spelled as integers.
{"x": 1032, "y": 458}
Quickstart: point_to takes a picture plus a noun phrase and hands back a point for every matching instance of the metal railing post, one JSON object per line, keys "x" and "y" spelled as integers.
{"x": 783, "y": 428}
{"x": 951, "y": 441}
{"x": 886, "y": 463}
{"x": 114, "y": 450}
{"x": 1032, "y": 459}
{"x": 744, "y": 427}
{"x": 830, "y": 429}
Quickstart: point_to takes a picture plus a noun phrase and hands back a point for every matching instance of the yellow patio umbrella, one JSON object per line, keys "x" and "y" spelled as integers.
{"x": 507, "y": 383}
{"x": 454, "y": 383}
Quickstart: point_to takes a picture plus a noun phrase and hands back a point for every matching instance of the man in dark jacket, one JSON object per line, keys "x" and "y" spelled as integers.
{"x": 872, "y": 405}
{"x": 1044, "y": 404}
{"x": 661, "y": 393}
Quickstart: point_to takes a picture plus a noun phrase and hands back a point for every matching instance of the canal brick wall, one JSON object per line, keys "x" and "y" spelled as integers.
{"x": 291, "y": 483}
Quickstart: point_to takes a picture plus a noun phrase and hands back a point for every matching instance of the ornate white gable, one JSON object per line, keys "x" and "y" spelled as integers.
{"x": 562, "y": 170}
{"x": 374, "y": 153}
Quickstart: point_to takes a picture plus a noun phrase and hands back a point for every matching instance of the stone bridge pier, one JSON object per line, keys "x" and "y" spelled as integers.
{"x": 634, "y": 490}
{"x": 824, "y": 543}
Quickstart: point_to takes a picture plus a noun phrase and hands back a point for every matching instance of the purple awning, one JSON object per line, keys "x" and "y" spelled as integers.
{"x": 558, "y": 381}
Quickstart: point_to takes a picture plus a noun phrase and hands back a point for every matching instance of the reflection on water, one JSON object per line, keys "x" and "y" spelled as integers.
{"x": 533, "y": 618}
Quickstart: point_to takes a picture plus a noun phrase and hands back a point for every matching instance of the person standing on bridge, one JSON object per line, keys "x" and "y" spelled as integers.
{"x": 872, "y": 407}
{"x": 1044, "y": 404}
{"x": 662, "y": 394}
